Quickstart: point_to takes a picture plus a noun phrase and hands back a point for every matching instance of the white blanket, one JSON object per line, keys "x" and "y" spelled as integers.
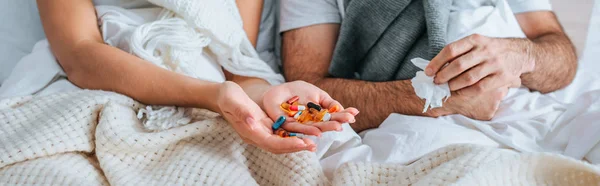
{"x": 94, "y": 138}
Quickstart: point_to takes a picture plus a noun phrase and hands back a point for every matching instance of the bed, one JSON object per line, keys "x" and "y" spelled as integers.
{"x": 87, "y": 137}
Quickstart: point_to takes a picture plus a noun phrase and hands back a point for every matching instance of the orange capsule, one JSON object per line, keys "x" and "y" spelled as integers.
{"x": 295, "y": 103}
{"x": 313, "y": 111}
{"x": 292, "y": 100}
{"x": 285, "y": 106}
{"x": 322, "y": 116}
{"x": 334, "y": 109}
{"x": 281, "y": 132}
{"x": 304, "y": 117}
{"x": 291, "y": 113}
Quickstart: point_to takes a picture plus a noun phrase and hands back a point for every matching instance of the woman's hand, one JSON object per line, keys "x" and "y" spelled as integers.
{"x": 276, "y": 95}
{"x": 252, "y": 124}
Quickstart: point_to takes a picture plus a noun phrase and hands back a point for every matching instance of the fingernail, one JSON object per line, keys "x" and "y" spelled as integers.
{"x": 250, "y": 122}
{"x": 428, "y": 71}
{"x": 339, "y": 129}
{"x": 301, "y": 145}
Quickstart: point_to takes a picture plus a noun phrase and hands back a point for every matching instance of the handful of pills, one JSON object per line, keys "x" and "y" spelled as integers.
{"x": 303, "y": 114}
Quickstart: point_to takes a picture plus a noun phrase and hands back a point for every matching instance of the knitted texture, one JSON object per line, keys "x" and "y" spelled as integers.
{"x": 94, "y": 138}
{"x": 40, "y": 138}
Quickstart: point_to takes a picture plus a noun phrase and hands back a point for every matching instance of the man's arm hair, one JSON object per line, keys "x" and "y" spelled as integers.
{"x": 552, "y": 51}
{"x": 307, "y": 54}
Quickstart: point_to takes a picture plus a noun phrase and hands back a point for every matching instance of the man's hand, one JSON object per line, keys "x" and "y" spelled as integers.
{"x": 480, "y": 107}
{"x": 252, "y": 124}
{"x": 478, "y": 64}
{"x": 545, "y": 61}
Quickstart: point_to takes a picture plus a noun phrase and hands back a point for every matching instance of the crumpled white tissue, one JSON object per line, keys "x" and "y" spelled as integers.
{"x": 426, "y": 89}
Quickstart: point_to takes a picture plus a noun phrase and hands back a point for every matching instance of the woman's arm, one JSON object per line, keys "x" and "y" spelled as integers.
{"x": 251, "y": 11}
{"x": 71, "y": 28}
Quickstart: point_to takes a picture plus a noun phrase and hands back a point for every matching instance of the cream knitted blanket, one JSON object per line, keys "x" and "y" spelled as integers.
{"x": 94, "y": 138}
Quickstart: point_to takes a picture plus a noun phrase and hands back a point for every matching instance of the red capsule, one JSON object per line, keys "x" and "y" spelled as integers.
{"x": 297, "y": 107}
{"x": 293, "y": 99}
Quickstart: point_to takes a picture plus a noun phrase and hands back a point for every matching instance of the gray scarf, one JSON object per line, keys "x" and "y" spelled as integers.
{"x": 379, "y": 37}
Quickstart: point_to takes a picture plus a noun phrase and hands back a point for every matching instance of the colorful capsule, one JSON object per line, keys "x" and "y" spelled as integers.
{"x": 304, "y": 117}
{"x": 292, "y": 113}
{"x": 292, "y": 100}
{"x": 299, "y": 135}
{"x": 285, "y": 106}
{"x": 295, "y": 103}
{"x": 322, "y": 116}
{"x": 279, "y": 122}
{"x": 334, "y": 109}
{"x": 313, "y": 111}
{"x": 282, "y": 133}
{"x": 285, "y": 134}
{"x": 297, "y": 115}
{"x": 314, "y": 106}
{"x": 297, "y": 107}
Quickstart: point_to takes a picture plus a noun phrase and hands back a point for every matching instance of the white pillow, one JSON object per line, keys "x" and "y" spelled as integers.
{"x": 20, "y": 29}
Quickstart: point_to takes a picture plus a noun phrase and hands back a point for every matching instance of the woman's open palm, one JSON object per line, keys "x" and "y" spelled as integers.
{"x": 307, "y": 93}
{"x": 252, "y": 124}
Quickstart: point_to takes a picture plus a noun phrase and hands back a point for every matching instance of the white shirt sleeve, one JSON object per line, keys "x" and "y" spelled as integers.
{"x": 520, "y": 6}
{"x": 301, "y": 13}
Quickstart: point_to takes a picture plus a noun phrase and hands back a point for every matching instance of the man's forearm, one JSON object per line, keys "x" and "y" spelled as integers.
{"x": 375, "y": 100}
{"x": 306, "y": 54}
{"x": 555, "y": 63}
{"x": 549, "y": 48}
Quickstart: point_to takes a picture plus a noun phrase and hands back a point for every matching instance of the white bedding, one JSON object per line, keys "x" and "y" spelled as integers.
{"x": 564, "y": 122}
{"x": 526, "y": 121}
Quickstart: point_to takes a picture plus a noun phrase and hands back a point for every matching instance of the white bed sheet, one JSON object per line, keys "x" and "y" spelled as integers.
{"x": 565, "y": 122}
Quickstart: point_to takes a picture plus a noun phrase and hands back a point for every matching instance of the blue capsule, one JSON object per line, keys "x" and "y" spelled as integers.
{"x": 279, "y": 122}
{"x": 299, "y": 135}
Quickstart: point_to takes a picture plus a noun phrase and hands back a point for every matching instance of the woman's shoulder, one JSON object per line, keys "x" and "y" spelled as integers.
{"x": 125, "y": 3}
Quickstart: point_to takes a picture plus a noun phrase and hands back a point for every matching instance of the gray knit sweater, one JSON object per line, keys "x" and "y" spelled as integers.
{"x": 379, "y": 37}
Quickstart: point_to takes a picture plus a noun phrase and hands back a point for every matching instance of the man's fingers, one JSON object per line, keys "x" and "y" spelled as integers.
{"x": 458, "y": 66}
{"x": 486, "y": 84}
{"x": 471, "y": 77}
{"x": 449, "y": 53}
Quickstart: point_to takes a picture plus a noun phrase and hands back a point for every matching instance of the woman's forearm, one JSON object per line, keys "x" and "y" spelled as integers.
{"x": 254, "y": 87}
{"x": 72, "y": 31}
{"x": 98, "y": 66}
{"x": 250, "y": 11}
